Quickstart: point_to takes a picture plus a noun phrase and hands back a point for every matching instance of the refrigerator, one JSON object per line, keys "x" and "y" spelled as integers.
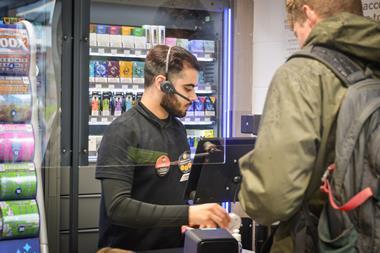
{"x": 121, "y": 34}
{"x": 30, "y": 126}
{"x": 55, "y": 112}
{"x": 116, "y": 36}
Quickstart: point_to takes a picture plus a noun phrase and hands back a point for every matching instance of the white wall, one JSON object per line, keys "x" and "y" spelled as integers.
{"x": 273, "y": 42}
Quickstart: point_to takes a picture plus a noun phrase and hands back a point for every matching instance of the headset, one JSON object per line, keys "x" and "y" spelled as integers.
{"x": 167, "y": 86}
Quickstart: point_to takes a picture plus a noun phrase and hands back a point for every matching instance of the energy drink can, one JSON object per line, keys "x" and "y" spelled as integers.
{"x": 20, "y": 219}
{"x": 16, "y": 143}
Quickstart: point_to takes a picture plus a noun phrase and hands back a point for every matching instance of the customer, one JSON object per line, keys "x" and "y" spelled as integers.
{"x": 296, "y": 135}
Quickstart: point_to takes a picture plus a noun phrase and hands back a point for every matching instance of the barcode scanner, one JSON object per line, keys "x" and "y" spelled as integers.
{"x": 167, "y": 86}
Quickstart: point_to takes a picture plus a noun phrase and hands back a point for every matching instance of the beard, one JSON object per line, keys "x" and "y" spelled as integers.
{"x": 171, "y": 104}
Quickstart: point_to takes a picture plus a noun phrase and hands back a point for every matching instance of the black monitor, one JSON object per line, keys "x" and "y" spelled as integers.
{"x": 215, "y": 174}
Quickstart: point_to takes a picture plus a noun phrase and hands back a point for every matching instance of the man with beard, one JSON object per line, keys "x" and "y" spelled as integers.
{"x": 144, "y": 161}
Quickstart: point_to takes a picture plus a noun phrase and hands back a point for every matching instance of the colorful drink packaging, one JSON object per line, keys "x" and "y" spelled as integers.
{"x": 199, "y": 109}
{"x": 19, "y": 219}
{"x": 115, "y": 36}
{"x": 210, "y": 106}
{"x": 95, "y": 103}
{"x": 106, "y": 103}
{"x": 14, "y": 52}
{"x": 127, "y": 39}
{"x": 15, "y": 108}
{"x": 139, "y": 36}
{"x": 14, "y": 85}
{"x": 93, "y": 35}
{"x": 148, "y": 37}
{"x": 129, "y": 98}
{"x": 113, "y": 72}
{"x": 91, "y": 78}
{"x": 102, "y": 36}
{"x": 138, "y": 72}
{"x": 126, "y": 71}
{"x": 17, "y": 181}
{"x": 100, "y": 71}
{"x": 118, "y": 103}
{"x": 16, "y": 143}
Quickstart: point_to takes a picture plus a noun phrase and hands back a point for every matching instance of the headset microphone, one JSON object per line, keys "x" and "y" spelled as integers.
{"x": 166, "y": 86}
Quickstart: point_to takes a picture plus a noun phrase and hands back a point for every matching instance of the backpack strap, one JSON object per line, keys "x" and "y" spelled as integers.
{"x": 351, "y": 204}
{"x": 348, "y": 71}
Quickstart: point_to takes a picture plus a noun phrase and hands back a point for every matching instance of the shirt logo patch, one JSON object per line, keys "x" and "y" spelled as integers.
{"x": 184, "y": 162}
{"x": 162, "y": 165}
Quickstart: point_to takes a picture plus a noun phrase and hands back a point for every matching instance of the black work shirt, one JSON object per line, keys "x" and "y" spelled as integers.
{"x": 130, "y": 148}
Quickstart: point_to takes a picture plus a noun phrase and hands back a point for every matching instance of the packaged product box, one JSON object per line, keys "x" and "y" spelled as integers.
{"x": 140, "y": 39}
{"x": 113, "y": 72}
{"x": 95, "y": 103}
{"x": 137, "y": 98}
{"x": 209, "y": 46}
{"x": 91, "y": 70}
{"x": 196, "y": 46}
{"x": 93, "y": 35}
{"x": 106, "y": 103}
{"x": 154, "y": 33}
{"x": 199, "y": 109}
{"x": 100, "y": 71}
{"x": 161, "y": 35}
{"x": 115, "y": 36}
{"x": 129, "y": 98}
{"x": 118, "y": 103}
{"x": 147, "y": 36}
{"x": 210, "y": 106}
{"x": 138, "y": 72}
{"x": 190, "y": 110}
{"x": 127, "y": 39}
{"x": 183, "y": 43}
{"x": 102, "y": 36}
{"x": 171, "y": 42}
{"x": 126, "y": 71}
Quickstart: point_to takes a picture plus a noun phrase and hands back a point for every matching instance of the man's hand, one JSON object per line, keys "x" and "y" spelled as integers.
{"x": 208, "y": 215}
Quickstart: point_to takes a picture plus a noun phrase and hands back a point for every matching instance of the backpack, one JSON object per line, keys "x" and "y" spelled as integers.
{"x": 350, "y": 220}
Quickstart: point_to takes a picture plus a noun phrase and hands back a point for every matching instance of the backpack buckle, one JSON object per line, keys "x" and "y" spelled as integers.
{"x": 330, "y": 169}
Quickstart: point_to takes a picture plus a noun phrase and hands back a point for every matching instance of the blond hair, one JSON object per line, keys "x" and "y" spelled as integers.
{"x": 113, "y": 250}
{"x": 324, "y": 8}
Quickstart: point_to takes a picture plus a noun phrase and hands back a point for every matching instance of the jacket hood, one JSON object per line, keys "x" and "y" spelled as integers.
{"x": 349, "y": 33}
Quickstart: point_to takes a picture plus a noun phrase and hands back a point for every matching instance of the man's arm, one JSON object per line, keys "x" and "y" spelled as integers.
{"x": 125, "y": 211}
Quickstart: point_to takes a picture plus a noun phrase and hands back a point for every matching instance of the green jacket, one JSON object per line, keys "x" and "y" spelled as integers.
{"x": 296, "y": 137}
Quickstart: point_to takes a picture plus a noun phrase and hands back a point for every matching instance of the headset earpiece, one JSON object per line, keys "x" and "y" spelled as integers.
{"x": 167, "y": 87}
